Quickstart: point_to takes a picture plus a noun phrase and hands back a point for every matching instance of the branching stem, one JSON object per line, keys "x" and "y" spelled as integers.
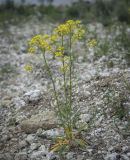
{"x": 51, "y": 77}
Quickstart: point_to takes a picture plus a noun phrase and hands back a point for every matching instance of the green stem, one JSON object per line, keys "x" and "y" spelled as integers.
{"x": 64, "y": 75}
{"x": 53, "y": 82}
{"x": 70, "y": 47}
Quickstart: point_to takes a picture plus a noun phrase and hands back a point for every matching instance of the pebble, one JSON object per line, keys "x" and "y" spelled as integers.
{"x": 34, "y": 146}
{"x": 112, "y": 156}
{"x": 128, "y": 154}
{"x": 53, "y": 133}
{"x": 125, "y": 157}
{"x": 70, "y": 155}
{"x": 38, "y": 155}
{"x": 21, "y": 156}
{"x": 22, "y": 144}
{"x": 30, "y": 138}
{"x": 33, "y": 95}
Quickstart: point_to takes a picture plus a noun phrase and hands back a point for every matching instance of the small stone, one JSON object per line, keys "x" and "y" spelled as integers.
{"x": 125, "y": 157}
{"x": 42, "y": 148}
{"x": 128, "y": 154}
{"x": 126, "y": 149}
{"x": 34, "y": 146}
{"x": 39, "y": 132}
{"x": 85, "y": 117}
{"x": 2, "y": 157}
{"x": 19, "y": 103}
{"x": 118, "y": 149}
{"x": 40, "y": 155}
{"x": 22, "y": 144}
{"x": 90, "y": 151}
{"x": 53, "y": 133}
{"x": 70, "y": 155}
{"x": 53, "y": 157}
{"x": 6, "y": 156}
{"x": 112, "y": 156}
{"x": 87, "y": 93}
{"x": 5, "y": 103}
{"x": 33, "y": 95}
{"x": 1, "y": 127}
{"x": 4, "y": 138}
{"x": 46, "y": 120}
{"x": 23, "y": 49}
{"x": 111, "y": 149}
{"x": 30, "y": 138}
{"x": 80, "y": 59}
{"x": 80, "y": 157}
{"x": 21, "y": 156}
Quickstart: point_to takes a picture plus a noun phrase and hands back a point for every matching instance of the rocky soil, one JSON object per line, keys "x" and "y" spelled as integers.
{"x": 28, "y": 125}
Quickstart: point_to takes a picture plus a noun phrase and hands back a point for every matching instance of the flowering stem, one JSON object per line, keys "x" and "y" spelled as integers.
{"x": 64, "y": 75}
{"x": 53, "y": 83}
{"x": 70, "y": 47}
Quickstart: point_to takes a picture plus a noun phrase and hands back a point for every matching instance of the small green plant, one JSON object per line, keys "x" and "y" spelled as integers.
{"x": 114, "y": 101}
{"x": 116, "y": 106}
{"x": 57, "y": 44}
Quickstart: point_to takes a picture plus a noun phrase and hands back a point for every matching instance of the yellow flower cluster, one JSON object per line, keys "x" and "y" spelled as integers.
{"x": 62, "y": 30}
{"x": 58, "y": 54}
{"x": 92, "y": 43}
{"x": 71, "y": 27}
{"x": 69, "y": 31}
{"x": 79, "y": 33}
{"x": 60, "y": 51}
{"x": 28, "y": 67}
{"x": 46, "y": 42}
{"x": 41, "y": 42}
{"x": 32, "y": 50}
{"x": 53, "y": 38}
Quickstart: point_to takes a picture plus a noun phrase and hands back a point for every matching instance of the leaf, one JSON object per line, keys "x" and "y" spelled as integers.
{"x": 69, "y": 132}
{"x": 61, "y": 144}
{"x": 80, "y": 142}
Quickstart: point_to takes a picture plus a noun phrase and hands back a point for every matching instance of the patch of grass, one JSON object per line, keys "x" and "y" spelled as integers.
{"x": 116, "y": 106}
{"x": 114, "y": 101}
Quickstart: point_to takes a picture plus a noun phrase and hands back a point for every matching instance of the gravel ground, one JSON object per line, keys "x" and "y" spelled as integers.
{"x": 28, "y": 125}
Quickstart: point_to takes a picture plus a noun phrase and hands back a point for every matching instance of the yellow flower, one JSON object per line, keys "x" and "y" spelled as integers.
{"x": 42, "y": 42}
{"x": 54, "y": 38}
{"x": 61, "y": 48}
{"x": 92, "y": 43}
{"x": 31, "y": 50}
{"x": 46, "y": 42}
{"x": 79, "y": 33}
{"x": 35, "y": 40}
{"x": 28, "y": 67}
{"x": 58, "y": 54}
{"x": 46, "y": 36}
{"x": 62, "y": 30}
{"x": 71, "y": 24}
{"x": 77, "y": 22}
